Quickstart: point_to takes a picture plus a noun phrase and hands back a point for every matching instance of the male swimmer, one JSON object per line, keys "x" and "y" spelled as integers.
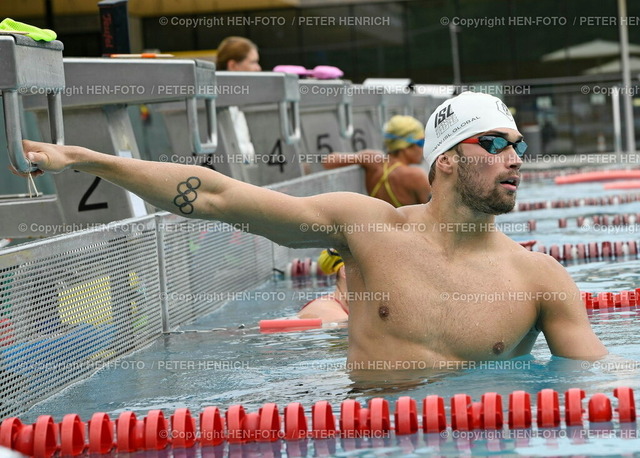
{"x": 419, "y": 265}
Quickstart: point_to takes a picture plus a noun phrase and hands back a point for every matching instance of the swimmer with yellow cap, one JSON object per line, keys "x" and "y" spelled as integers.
{"x": 388, "y": 176}
{"x": 332, "y": 307}
{"x": 330, "y": 261}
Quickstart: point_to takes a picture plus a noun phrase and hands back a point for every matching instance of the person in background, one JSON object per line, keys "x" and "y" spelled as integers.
{"x": 388, "y": 176}
{"x": 238, "y": 54}
{"x": 332, "y": 307}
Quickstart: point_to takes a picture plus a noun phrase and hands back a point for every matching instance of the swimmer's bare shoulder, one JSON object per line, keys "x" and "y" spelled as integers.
{"x": 543, "y": 271}
{"x": 562, "y": 316}
{"x": 360, "y": 208}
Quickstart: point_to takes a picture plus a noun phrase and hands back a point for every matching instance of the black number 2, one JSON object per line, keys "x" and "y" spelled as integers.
{"x": 84, "y": 206}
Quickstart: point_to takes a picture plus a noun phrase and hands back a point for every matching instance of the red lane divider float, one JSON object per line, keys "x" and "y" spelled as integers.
{"x": 573, "y": 406}
{"x": 603, "y": 175}
{"x": 583, "y": 202}
{"x": 626, "y": 404}
{"x": 600, "y": 408}
{"x": 129, "y": 434}
{"x": 548, "y": 409}
{"x": 520, "y": 410}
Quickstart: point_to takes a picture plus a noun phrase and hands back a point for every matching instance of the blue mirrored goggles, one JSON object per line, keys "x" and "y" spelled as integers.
{"x": 409, "y": 139}
{"x": 494, "y": 145}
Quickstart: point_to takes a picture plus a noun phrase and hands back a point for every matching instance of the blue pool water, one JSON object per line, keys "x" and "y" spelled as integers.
{"x": 222, "y": 359}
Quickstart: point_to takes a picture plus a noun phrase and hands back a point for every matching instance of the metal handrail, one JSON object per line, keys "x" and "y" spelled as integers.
{"x": 345, "y": 119}
{"x": 290, "y": 133}
{"x": 211, "y": 144}
{"x": 13, "y": 127}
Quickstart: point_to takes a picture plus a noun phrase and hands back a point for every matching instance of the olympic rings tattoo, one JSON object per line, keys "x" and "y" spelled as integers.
{"x": 187, "y": 194}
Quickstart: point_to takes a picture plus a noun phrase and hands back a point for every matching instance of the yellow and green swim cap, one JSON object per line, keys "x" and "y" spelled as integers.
{"x": 330, "y": 261}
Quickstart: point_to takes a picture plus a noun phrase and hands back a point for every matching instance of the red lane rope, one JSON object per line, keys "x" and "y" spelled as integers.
{"x": 632, "y": 184}
{"x": 591, "y": 251}
{"x": 540, "y": 175}
{"x": 305, "y": 267}
{"x": 582, "y": 202}
{"x": 607, "y": 300}
{"x": 602, "y": 175}
{"x": 620, "y": 219}
{"x": 156, "y": 431}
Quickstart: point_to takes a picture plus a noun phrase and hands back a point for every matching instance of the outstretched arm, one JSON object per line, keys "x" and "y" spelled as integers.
{"x": 198, "y": 192}
{"x": 563, "y": 317}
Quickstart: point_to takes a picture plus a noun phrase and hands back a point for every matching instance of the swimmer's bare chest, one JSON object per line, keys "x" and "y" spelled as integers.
{"x": 472, "y": 308}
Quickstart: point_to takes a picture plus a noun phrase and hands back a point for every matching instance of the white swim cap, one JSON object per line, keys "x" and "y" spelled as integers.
{"x": 461, "y": 117}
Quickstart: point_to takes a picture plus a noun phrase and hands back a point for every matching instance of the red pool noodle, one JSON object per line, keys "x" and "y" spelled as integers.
{"x": 597, "y": 176}
{"x": 274, "y": 325}
{"x": 632, "y": 184}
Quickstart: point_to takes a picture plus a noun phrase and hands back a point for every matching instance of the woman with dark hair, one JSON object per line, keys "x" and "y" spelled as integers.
{"x": 238, "y": 54}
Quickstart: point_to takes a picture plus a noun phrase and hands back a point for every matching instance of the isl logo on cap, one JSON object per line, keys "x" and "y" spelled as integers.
{"x": 444, "y": 119}
{"x": 502, "y": 108}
